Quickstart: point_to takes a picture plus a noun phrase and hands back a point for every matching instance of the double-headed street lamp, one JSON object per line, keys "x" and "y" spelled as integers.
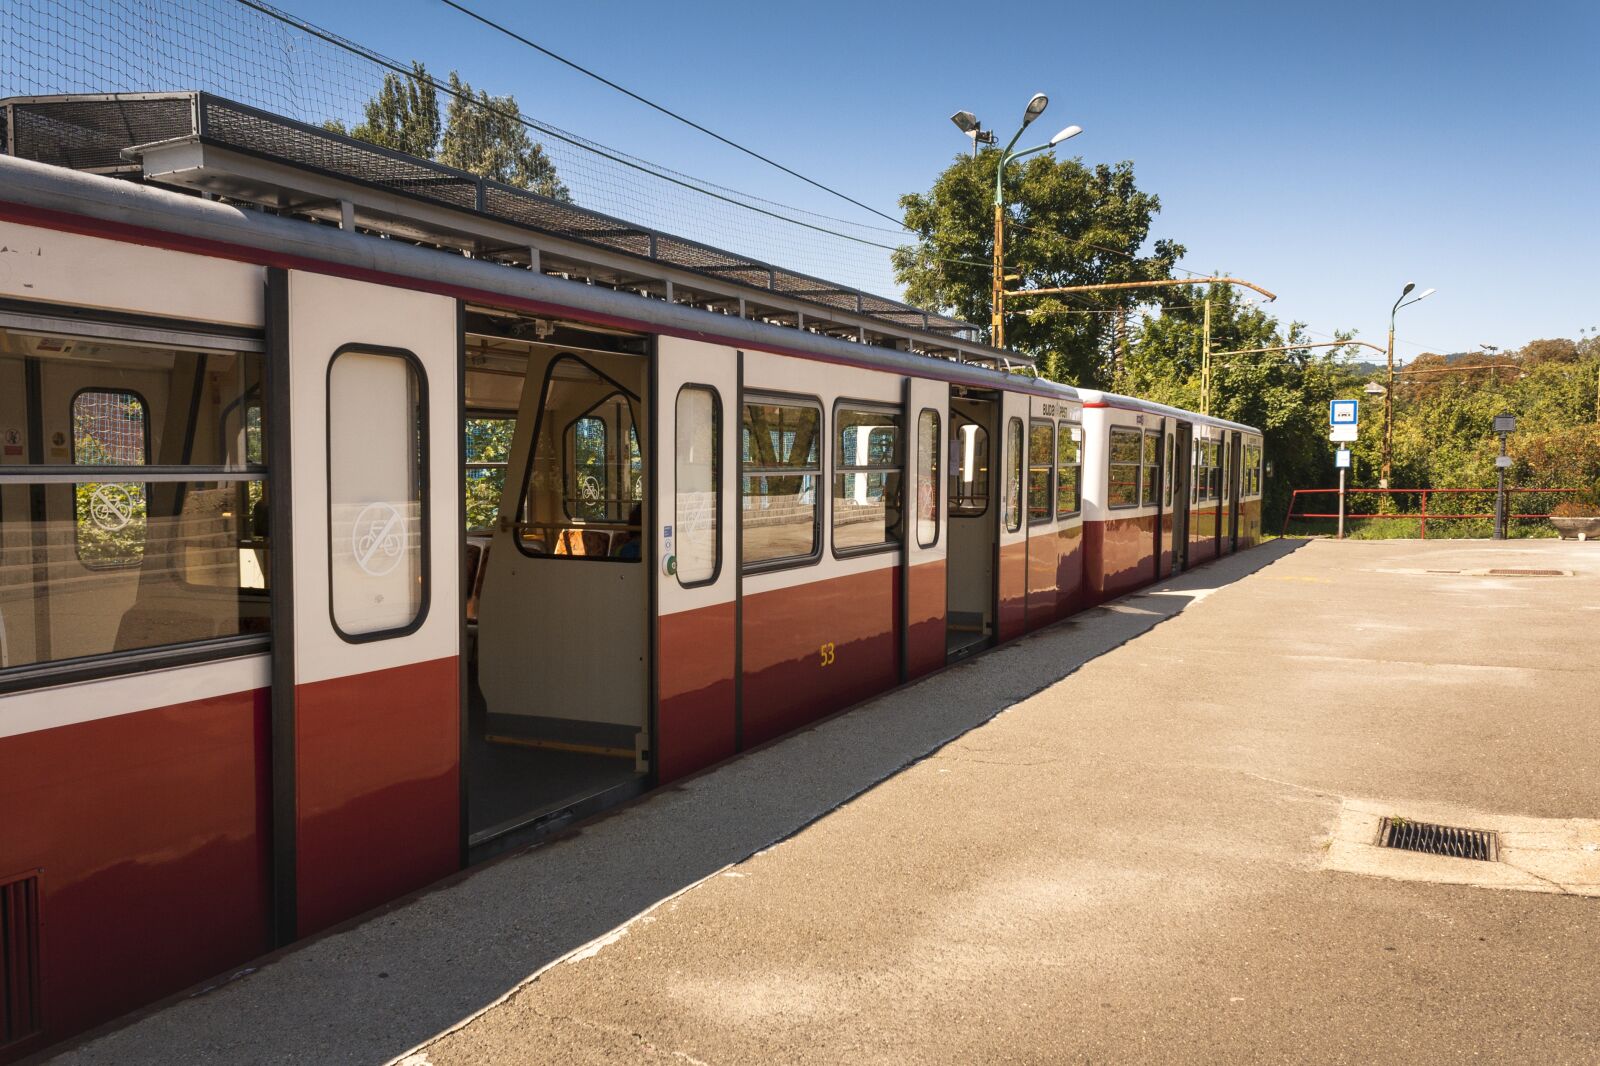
{"x": 969, "y": 125}
{"x": 1388, "y": 396}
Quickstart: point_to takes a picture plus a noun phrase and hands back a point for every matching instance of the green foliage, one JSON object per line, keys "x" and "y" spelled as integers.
{"x": 1067, "y": 224}
{"x": 481, "y": 134}
{"x": 403, "y": 116}
{"x": 1286, "y": 394}
{"x": 486, "y": 137}
{"x": 488, "y": 440}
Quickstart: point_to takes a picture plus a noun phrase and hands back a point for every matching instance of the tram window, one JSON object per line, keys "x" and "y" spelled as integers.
{"x": 587, "y": 465}
{"x": 1152, "y": 468}
{"x": 1069, "y": 463}
{"x": 969, "y": 466}
{"x": 635, "y": 466}
{"x": 1166, "y": 482}
{"x": 109, "y": 428}
{"x": 1014, "y": 475}
{"x": 1123, "y": 464}
{"x": 488, "y": 449}
{"x": 583, "y": 493}
{"x": 928, "y": 442}
{"x": 867, "y": 465}
{"x": 377, "y": 429}
{"x": 1219, "y": 469}
{"x": 781, "y": 456}
{"x": 1205, "y": 457}
{"x": 697, "y": 480}
{"x": 1041, "y": 465}
{"x": 103, "y": 564}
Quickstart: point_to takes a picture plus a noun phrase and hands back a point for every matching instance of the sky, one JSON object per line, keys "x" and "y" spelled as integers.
{"x": 1328, "y": 152}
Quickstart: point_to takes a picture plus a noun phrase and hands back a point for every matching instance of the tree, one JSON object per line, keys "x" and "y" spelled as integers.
{"x": 403, "y": 116}
{"x": 1067, "y": 224}
{"x": 485, "y": 135}
{"x": 1286, "y": 394}
{"x": 481, "y": 134}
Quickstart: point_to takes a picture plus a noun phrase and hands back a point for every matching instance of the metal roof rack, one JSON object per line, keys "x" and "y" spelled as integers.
{"x": 204, "y": 143}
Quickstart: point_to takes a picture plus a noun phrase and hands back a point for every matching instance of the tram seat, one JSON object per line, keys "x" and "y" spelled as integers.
{"x": 476, "y": 564}
{"x": 583, "y": 542}
{"x": 147, "y": 625}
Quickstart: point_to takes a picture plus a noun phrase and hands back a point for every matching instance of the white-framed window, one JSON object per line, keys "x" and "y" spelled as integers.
{"x": 377, "y": 492}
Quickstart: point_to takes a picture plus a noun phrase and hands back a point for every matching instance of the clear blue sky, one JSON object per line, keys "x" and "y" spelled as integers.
{"x": 1330, "y": 152}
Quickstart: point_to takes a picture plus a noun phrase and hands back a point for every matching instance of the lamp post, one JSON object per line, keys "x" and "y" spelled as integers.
{"x": 1388, "y": 396}
{"x": 997, "y": 295}
{"x": 1503, "y": 424}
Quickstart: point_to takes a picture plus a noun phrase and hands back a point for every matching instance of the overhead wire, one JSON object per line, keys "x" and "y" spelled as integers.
{"x": 695, "y": 185}
{"x": 514, "y": 35}
{"x": 900, "y": 224}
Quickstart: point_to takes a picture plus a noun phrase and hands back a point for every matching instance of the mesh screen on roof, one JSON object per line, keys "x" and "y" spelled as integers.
{"x": 91, "y": 133}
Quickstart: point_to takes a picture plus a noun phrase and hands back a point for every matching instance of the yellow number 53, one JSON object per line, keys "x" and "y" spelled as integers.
{"x": 826, "y": 654}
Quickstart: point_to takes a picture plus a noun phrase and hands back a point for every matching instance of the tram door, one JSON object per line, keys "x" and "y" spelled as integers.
{"x": 692, "y": 552}
{"x": 559, "y": 708}
{"x": 1235, "y": 466}
{"x": 923, "y": 639}
{"x": 366, "y": 673}
{"x": 1010, "y": 510}
{"x": 1180, "y": 471}
{"x": 971, "y": 527}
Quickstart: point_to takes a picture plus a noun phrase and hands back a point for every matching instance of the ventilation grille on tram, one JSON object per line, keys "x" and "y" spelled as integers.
{"x": 19, "y": 960}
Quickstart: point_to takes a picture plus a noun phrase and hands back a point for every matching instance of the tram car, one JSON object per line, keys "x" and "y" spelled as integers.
{"x": 361, "y": 518}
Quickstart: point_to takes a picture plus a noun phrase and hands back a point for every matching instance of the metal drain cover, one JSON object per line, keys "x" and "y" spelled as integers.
{"x": 1527, "y": 573}
{"x": 1431, "y": 839}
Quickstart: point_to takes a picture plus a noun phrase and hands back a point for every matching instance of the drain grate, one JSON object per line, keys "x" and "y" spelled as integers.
{"x": 1527, "y": 573}
{"x": 1433, "y": 839}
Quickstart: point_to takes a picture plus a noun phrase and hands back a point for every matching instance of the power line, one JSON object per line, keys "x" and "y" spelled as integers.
{"x": 664, "y": 110}
{"x": 899, "y": 223}
{"x": 695, "y": 185}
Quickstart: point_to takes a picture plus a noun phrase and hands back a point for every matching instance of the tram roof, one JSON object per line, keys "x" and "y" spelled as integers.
{"x": 202, "y": 142}
{"x": 1096, "y": 398}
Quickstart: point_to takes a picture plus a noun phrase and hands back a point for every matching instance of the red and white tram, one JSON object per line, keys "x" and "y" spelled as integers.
{"x": 359, "y": 518}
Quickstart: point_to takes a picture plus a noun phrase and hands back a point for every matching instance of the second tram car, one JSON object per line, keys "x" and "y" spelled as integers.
{"x": 353, "y": 527}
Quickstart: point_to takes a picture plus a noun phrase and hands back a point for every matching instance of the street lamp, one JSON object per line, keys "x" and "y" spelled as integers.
{"x": 1388, "y": 396}
{"x": 968, "y": 123}
{"x": 1035, "y": 108}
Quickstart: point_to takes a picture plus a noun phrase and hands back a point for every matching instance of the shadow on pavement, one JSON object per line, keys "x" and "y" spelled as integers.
{"x": 378, "y": 989}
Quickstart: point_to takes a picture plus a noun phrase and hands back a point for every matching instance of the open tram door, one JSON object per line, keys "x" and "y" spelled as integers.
{"x": 971, "y": 520}
{"x": 1180, "y": 470}
{"x": 558, "y": 720}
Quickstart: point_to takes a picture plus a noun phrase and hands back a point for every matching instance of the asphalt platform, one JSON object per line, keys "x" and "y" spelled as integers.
{"x": 1112, "y": 841}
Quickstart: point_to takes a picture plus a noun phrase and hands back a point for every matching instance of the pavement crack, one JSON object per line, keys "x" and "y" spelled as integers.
{"x": 1290, "y": 784}
{"x": 1557, "y": 885}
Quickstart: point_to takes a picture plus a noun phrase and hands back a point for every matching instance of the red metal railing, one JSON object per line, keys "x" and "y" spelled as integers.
{"x": 1422, "y": 516}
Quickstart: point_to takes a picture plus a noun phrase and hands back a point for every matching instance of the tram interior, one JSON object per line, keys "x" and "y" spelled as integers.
{"x": 96, "y": 555}
{"x": 970, "y": 560}
{"x": 556, "y": 441}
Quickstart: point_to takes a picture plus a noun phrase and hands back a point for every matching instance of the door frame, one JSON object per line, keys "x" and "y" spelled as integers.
{"x": 1182, "y": 488}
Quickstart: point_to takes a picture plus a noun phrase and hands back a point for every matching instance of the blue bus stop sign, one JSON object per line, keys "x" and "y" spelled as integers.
{"x": 1341, "y": 412}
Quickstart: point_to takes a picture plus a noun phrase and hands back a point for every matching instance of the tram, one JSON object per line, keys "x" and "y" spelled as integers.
{"x": 360, "y": 518}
